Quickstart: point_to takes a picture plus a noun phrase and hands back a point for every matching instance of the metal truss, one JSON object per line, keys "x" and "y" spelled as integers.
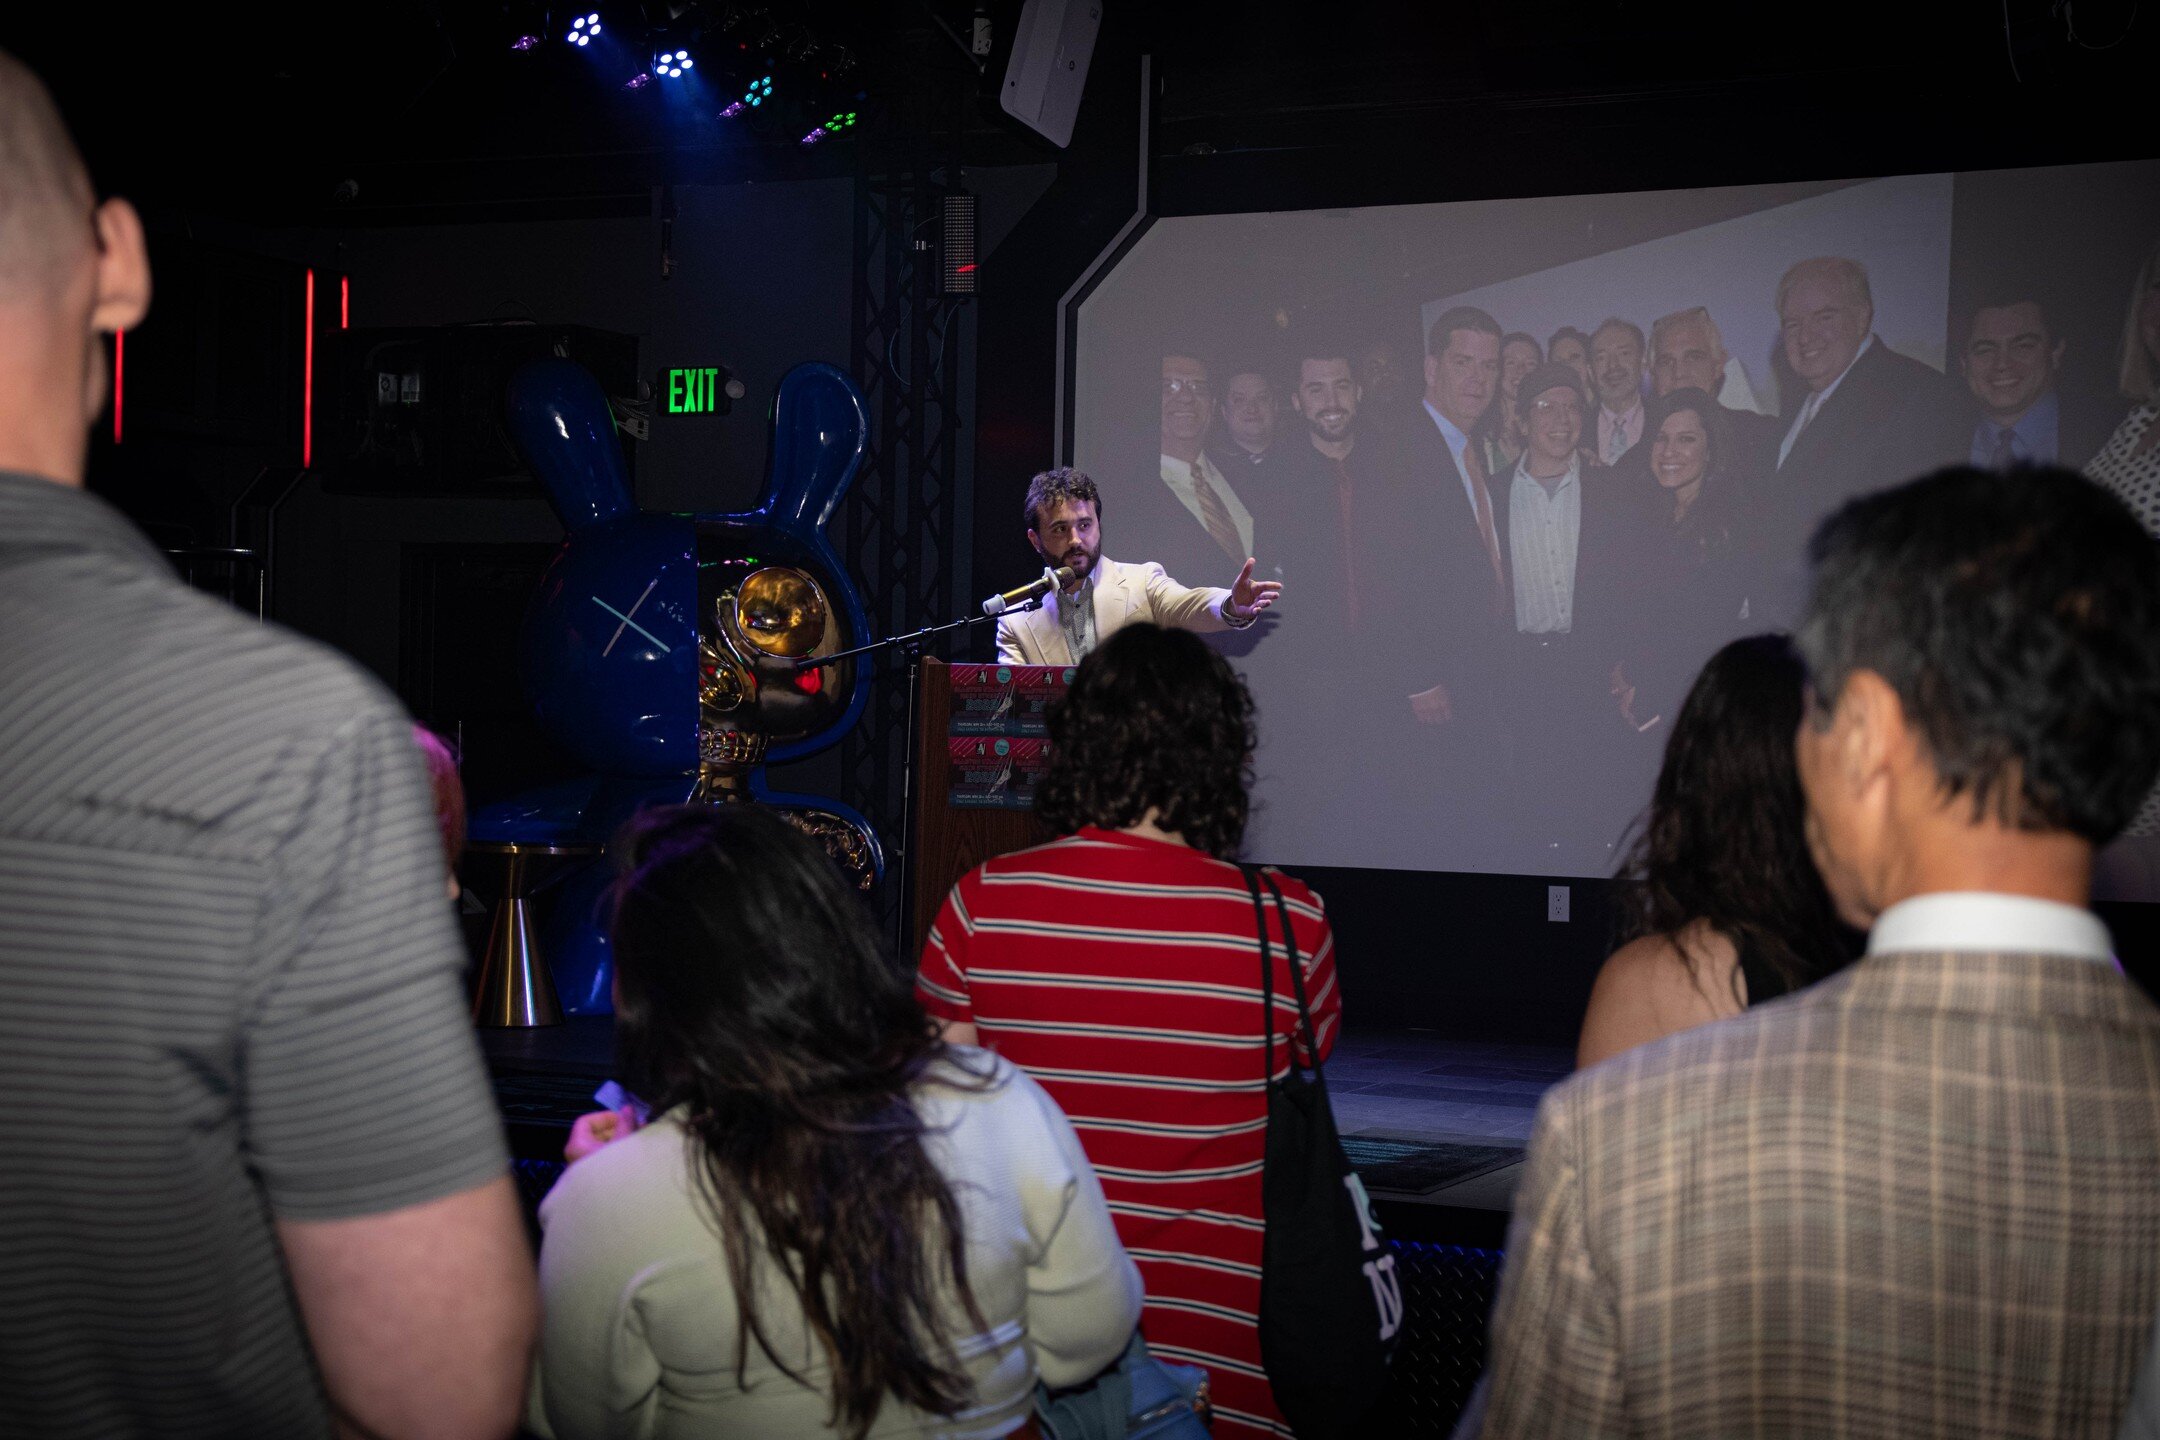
{"x": 905, "y": 537}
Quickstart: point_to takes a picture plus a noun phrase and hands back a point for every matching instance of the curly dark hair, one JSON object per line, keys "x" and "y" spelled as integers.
{"x": 1154, "y": 721}
{"x": 753, "y": 996}
{"x": 1053, "y": 486}
{"x": 1724, "y": 840}
{"x": 2018, "y": 619}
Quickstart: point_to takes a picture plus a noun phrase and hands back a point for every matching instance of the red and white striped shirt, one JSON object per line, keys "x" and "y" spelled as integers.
{"x": 1124, "y": 974}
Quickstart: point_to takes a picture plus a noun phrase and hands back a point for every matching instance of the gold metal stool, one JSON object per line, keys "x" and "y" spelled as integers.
{"x": 516, "y": 988}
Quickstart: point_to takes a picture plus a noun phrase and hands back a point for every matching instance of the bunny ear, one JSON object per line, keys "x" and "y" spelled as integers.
{"x": 560, "y": 422}
{"x": 820, "y": 429}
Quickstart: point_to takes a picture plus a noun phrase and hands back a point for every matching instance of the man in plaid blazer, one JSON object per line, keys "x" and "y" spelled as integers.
{"x": 1922, "y": 1197}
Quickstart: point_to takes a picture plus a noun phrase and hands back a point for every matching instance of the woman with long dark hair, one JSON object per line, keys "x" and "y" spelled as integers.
{"x": 1683, "y": 590}
{"x": 1120, "y": 966}
{"x": 1720, "y": 907}
{"x": 834, "y": 1224}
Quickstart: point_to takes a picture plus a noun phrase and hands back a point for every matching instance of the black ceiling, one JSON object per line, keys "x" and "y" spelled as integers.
{"x": 335, "y": 111}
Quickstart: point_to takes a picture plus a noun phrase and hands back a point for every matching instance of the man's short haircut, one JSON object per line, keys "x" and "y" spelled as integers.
{"x": 1063, "y": 484}
{"x": 1462, "y": 317}
{"x": 1518, "y": 337}
{"x": 2017, "y": 616}
{"x": 1567, "y": 332}
{"x": 1693, "y": 315}
{"x": 1849, "y": 273}
{"x": 1246, "y": 365}
{"x": 2003, "y": 297}
{"x": 1614, "y": 322}
{"x": 45, "y": 192}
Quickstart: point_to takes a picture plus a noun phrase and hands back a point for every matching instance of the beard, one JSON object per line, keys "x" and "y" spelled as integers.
{"x": 1341, "y": 428}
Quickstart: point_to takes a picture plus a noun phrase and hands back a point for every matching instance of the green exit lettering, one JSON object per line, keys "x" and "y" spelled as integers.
{"x": 693, "y": 392}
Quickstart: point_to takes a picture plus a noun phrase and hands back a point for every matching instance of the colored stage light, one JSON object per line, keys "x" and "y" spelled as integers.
{"x": 583, "y": 29}
{"x": 525, "y": 42}
{"x": 844, "y": 120}
{"x": 638, "y": 81}
{"x": 670, "y": 64}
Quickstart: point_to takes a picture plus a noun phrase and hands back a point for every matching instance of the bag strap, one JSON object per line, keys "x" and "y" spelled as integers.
{"x": 1297, "y": 975}
{"x": 1267, "y": 976}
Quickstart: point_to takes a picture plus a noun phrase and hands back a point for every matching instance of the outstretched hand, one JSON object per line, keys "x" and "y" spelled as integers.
{"x": 1248, "y": 597}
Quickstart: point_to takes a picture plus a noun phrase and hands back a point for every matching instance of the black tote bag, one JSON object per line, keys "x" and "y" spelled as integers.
{"x": 1330, "y": 1299}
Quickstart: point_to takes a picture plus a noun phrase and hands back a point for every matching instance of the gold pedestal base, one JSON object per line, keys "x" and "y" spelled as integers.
{"x": 516, "y": 989}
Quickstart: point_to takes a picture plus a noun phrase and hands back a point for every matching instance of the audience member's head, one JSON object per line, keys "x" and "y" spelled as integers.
{"x": 1188, "y": 402}
{"x": 1686, "y": 351}
{"x": 1519, "y": 355}
{"x": 2139, "y": 375}
{"x": 1462, "y": 364}
{"x": 1064, "y": 519}
{"x": 71, "y": 270}
{"x": 1725, "y": 840}
{"x": 1686, "y": 431}
{"x": 1616, "y": 364}
{"x": 1570, "y": 346}
{"x": 1552, "y": 404}
{"x": 1248, "y": 409}
{"x": 751, "y": 995}
{"x": 2011, "y": 356}
{"x": 1983, "y": 655}
{"x": 1327, "y": 396}
{"x": 1825, "y": 311}
{"x": 1155, "y": 727}
{"x": 448, "y": 793}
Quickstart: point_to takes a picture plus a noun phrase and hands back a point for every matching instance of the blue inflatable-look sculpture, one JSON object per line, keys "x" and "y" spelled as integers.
{"x": 661, "y": 649}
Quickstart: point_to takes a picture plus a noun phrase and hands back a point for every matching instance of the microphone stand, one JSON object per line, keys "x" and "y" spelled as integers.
{"x": 910, "y": 644}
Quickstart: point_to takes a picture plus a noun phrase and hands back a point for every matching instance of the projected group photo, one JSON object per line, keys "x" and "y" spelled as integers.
{"x": 1522, "y": 466}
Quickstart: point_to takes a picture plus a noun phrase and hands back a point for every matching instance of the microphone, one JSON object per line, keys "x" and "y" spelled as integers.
{"x": 1056, "y": 579}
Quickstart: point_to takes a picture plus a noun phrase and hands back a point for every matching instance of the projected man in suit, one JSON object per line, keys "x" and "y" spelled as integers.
{"x": 1063, "y": 510}
{"x": 1616, "y": 369}
{"x": 1870, "y": 416}
{"x": 1245, "y": 443}
{"x": 1448, "y": 560}
{"x": 1212, "y": 510}
{"x": 2012, "y": 364}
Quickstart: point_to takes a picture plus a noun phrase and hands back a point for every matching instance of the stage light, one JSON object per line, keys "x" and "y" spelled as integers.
{"x": 525, "y": 42}
{"x": 638, "y": 81}
{"x": 670, "y": 64}
{"x": 583, "y": 29}
{"x": 759, "y": 92}
{"x": 844, "y": 120}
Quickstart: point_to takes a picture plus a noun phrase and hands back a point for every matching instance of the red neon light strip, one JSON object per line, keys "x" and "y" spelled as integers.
{"x": 344, "y": 302}
{"x": 307, "y": 380}
{"x": 119, "y": 377}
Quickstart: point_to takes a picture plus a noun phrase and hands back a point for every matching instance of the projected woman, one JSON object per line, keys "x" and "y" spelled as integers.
{"x": 1686, "y": 592}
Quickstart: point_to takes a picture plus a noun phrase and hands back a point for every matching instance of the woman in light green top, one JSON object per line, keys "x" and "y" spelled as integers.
{"x": 835, "y": 1224}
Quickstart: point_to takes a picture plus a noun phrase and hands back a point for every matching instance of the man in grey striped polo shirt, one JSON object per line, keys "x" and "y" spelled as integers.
{"x": 255, "y": 1176}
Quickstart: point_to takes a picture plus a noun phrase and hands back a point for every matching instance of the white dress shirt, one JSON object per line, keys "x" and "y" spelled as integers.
{"x": 1544, "y": 533}
{"x": 1177, "y": 474}
{"x": 1989, "y": 923}
{"x": 1817, "y": 400}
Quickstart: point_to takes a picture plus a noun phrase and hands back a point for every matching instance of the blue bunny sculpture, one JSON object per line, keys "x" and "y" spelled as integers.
{"x": 660, "y": 649}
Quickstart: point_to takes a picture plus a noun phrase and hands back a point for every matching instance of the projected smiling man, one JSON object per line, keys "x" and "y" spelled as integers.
{"x": 1201, "y": 492}
{"x": 1064, "y": 524}
{"x": 1868, "y": 418}
{"x": 1616, "y": 369}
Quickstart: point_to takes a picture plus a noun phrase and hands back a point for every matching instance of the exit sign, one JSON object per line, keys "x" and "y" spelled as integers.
{"x": 696, "y": 391}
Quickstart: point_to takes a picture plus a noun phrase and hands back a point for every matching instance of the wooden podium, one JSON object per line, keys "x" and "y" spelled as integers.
{"x": 948, "y": 840}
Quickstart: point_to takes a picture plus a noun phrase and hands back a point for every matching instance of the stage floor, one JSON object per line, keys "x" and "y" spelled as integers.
{"x": 1415, "y": 1110}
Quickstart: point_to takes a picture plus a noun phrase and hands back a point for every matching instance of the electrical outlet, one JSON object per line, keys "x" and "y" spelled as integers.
{"x": 1556, "y": 903}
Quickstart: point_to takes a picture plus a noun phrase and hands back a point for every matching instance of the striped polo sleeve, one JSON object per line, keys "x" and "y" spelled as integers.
{"x": 941, "y": 981}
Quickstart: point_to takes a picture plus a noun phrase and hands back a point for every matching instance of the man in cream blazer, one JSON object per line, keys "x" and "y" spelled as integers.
{"x": 1063, "y": 525}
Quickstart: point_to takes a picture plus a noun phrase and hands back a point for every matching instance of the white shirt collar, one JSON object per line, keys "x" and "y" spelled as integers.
{"x": 1995, "y": 924}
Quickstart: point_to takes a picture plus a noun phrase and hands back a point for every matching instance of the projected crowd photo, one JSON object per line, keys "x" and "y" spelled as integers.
{"x": 1521, "y": 467}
